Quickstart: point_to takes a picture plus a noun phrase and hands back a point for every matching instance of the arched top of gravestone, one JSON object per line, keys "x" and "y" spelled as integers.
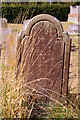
{"x": 3, "y": 23}
{"x": 44, "y": 17}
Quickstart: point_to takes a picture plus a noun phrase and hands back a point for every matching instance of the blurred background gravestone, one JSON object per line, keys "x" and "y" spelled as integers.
{"x": 42, "y": 59}
{"x": 74, "y": 18}
{"x": 3, "y": 30}
{"x": 7, "y": 43}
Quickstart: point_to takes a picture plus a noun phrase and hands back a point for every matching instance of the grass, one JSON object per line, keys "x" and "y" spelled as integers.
{"x": 19, "y": 104}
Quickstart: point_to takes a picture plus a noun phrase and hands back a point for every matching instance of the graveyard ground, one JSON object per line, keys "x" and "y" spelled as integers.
{"x": 73, "y": 76}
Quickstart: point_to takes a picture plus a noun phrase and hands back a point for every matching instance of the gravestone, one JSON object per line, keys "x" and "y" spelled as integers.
{"x": 3, "y": 27}
{"x": 4, "y": 30}
{"x": 5, "y": 40}
{"x": 10, "y": 49}
{"x": 42, "y": 58}
{"x": 74, "y": 29}
{"x": 74, "y": 17}
{"x": 3, "y": 23}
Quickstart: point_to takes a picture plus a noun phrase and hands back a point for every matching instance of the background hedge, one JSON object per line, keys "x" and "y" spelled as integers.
{"x": 27, "y": 11}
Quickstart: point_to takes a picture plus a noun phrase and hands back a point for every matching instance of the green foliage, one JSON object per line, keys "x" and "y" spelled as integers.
{"x": 10, "y": 12}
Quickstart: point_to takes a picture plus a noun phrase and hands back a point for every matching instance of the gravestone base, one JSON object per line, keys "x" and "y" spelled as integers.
{"x": 74, "y": 29}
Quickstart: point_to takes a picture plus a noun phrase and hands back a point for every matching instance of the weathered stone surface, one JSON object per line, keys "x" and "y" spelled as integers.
{"x": 74, "y": 9}
{"x": 25, "y": 22}
{"x": 74, "y": 29}
{"x": 74, "y": 15}
{"x": 7, "y": 41}
{"x": 67, "y": 50}
{"x": 42, "y": 59}
{"x": 3, "y": 23}
{"x": 10, "y": 49}
{"x": 4, "y": 30}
